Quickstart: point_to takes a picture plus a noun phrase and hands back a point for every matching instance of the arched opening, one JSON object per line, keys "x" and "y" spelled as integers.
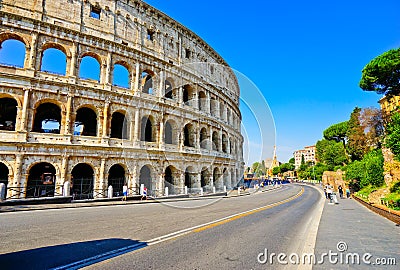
{"x": 215, "y": 145}
{"x": 231, "y": 146}
{"x": 202, "y": 101}
{"x": 145, "y": 178}
{"x": 187, "y": 94}
{"x": 205, "y": 179}
{"x": 224, "y": 143}
{"x": 189, "y": 135}
{"x": 169, "y": 180}
{"x": 54, "y": 61}
{"x": 82, "y": 182}
{"x": 203, "y": 138}
{"x": 47, "y": 118}
{"x": 41, "y": 181}
{"x": 213, "y": 106}
{"x": 218, "y": 182}
{"x": 8, "y": 113}
{"x": 222, "y": 110}
{"x": 170, "y": 137}
{"x": 168, "y": 90}
{"x": 227, "y": 182}
{"x": 190, "y": 178}
{"x": 121, "y": 76}
{"x": 4, "y": 177}
{"x": 147, "y": 83}
{"x": 12, "y": 53}
{"x": 147, "y": 130}
{"x": 116, "y": 179}
{"x": 89, "y": 68}
{"x": 119, "y": 126}
{"x": 85, "y": 122}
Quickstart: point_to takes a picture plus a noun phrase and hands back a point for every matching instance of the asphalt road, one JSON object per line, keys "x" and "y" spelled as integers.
{"x": 177, "y": 235}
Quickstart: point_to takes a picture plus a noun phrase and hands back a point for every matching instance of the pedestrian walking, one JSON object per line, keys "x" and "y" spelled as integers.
{"x": 347, "y": 193}
{"x": 340, "y": 192}
{"x": 329, "y": 192}
{"x": 124, "y": 192}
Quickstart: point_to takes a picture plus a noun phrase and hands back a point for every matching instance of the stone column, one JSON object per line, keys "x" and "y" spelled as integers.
{"x": 106, "y": 71}
{"x": 22, "y": 126}
{"x": 19, "y": 187}
{"x": 161, "y": 138}
{"x": 72, "y": 64}
{"x": 161, "y": 90}
{"x": 137, "y": 79}
{"x": 180, "y": 96}
{"x": 67, "y": 126}
{"x": 102, "y": 185}
{"x": 134, "y": 183}
{"x": 136, "y": 136}
{"x": 181, "y": 183}
{"x": 63, "y": 172}
{"x": 105, "y": 119}
{"x": 160, "y": 184}
{"x": 32, "y": 52}
{"x": 220, "y": 140}
{"x": 208, "y": 102}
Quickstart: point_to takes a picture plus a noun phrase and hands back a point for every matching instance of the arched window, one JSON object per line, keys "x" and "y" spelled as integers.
{"x": 224, "y": 143}
{"x": 218, "y": 181}
{"x": 121, "y": 76}
{"x": 8, "y": 113}
{"x": 202, "y": 101}
{"x": 41, "y": 181}
{"x": 147, "y": 134}
{"x": 145, "y": 178}
{"x": 215, "y": 140}
{"x": 168, "y": 90}
{"x": 189, "y": 136}
{"x": 147, "y": 83}
{"x": 204, "y": 177}
{"x": 47, "y": 118}
{"x": 119, "y": 126}
{"x": 12, "y": 53}
{"x": 116, "y": 179}
{"x": 54, "y": 61}
{"x": 85, "y": 122}
{"x": 203, "y": 138}
{"x": 82, "y": 181}
{"x": 187, "y": 94}
{"x": 169, "y": 134}
{"x": 89, "y": 68}
{"x": 169, "y": 180}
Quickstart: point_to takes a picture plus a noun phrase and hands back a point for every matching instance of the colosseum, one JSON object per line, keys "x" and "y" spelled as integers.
{"x": 158, "y": 109}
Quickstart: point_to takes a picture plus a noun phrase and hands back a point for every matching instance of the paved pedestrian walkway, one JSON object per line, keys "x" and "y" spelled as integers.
{"x": 350, "y": 230}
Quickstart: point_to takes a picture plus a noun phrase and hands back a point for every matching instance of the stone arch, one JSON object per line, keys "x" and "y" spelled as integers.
{"x": 205, "y": 178}
{"x": 148, "y": 132}
{"x": 202, "y": 101}
{"x": 189, "y": 135}
{"x": 8, "y": 113}
{"x": 41, "y": 180}
{"x": 218, "y": 180}
{"x": 86, "y": 121}
{"x": 18, "y": 45}
{"x": 204, "y": 138}
{"x": 215, "y": 141}
{"x": 117, "y": 178}
{"x": 187, "y": 94}
{"x": 191, "y": 178}
{"x": 121, "y": 68}
{"x": 225, "y": 143}
{"x": 169, "y": 91}
{"x": 119, "y": 125}
{"x": 47, "y": 117}
{"x": 83, "y": 179}
{"x": 147, "y": 81}
{"x": 226, "y": 178}
{"x": 90, "y": 61}
{"x": 171, "y": 179}
{"x": 171, "y": 132}
{"x": 52, "y": 53}
{"x": 146, "y": 177}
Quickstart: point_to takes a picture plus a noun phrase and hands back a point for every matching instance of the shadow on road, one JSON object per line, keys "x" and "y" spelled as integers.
{"x": 81, "y": 253}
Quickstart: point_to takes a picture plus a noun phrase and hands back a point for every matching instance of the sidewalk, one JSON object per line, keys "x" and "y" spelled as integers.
{"x": 361, "y": 231}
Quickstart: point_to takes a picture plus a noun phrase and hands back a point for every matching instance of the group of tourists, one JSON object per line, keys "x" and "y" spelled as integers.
{"x": 331, "y": 195}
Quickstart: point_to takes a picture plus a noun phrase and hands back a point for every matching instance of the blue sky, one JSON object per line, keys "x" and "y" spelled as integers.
{"x": 306, "y": 57}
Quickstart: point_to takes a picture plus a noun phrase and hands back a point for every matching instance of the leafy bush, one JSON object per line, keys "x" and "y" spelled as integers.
{"x": 395, "y": 188}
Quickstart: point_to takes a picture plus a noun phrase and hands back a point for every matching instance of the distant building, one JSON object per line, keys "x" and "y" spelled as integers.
{"x": 309, "y": 155}
{"x": 271, "y": 163}
{"x": 388, "y": 105}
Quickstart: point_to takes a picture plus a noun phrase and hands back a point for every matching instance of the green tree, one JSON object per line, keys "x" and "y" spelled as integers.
{"x": 393, "y": 135}
{"x": 382, "y": 74}
{"x": 337, "y": 132}
{"x": 331, "y": 153}
{"x": 357, "y": 145}
{"x": 276, "y": 170}
{"x": 291, "y": 161}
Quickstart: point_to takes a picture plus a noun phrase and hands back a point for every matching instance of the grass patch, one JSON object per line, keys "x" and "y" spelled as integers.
{"x": 365, "y": 191}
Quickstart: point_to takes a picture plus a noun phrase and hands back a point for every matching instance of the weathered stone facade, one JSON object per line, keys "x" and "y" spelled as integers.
{"x": 176, "y": 123}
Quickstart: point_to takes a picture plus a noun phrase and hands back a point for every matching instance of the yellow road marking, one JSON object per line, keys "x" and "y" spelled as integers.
{"x": 249, "y": 212}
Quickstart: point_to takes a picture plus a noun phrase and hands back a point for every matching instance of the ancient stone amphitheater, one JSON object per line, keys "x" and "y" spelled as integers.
{"x": 104, "y": 93}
